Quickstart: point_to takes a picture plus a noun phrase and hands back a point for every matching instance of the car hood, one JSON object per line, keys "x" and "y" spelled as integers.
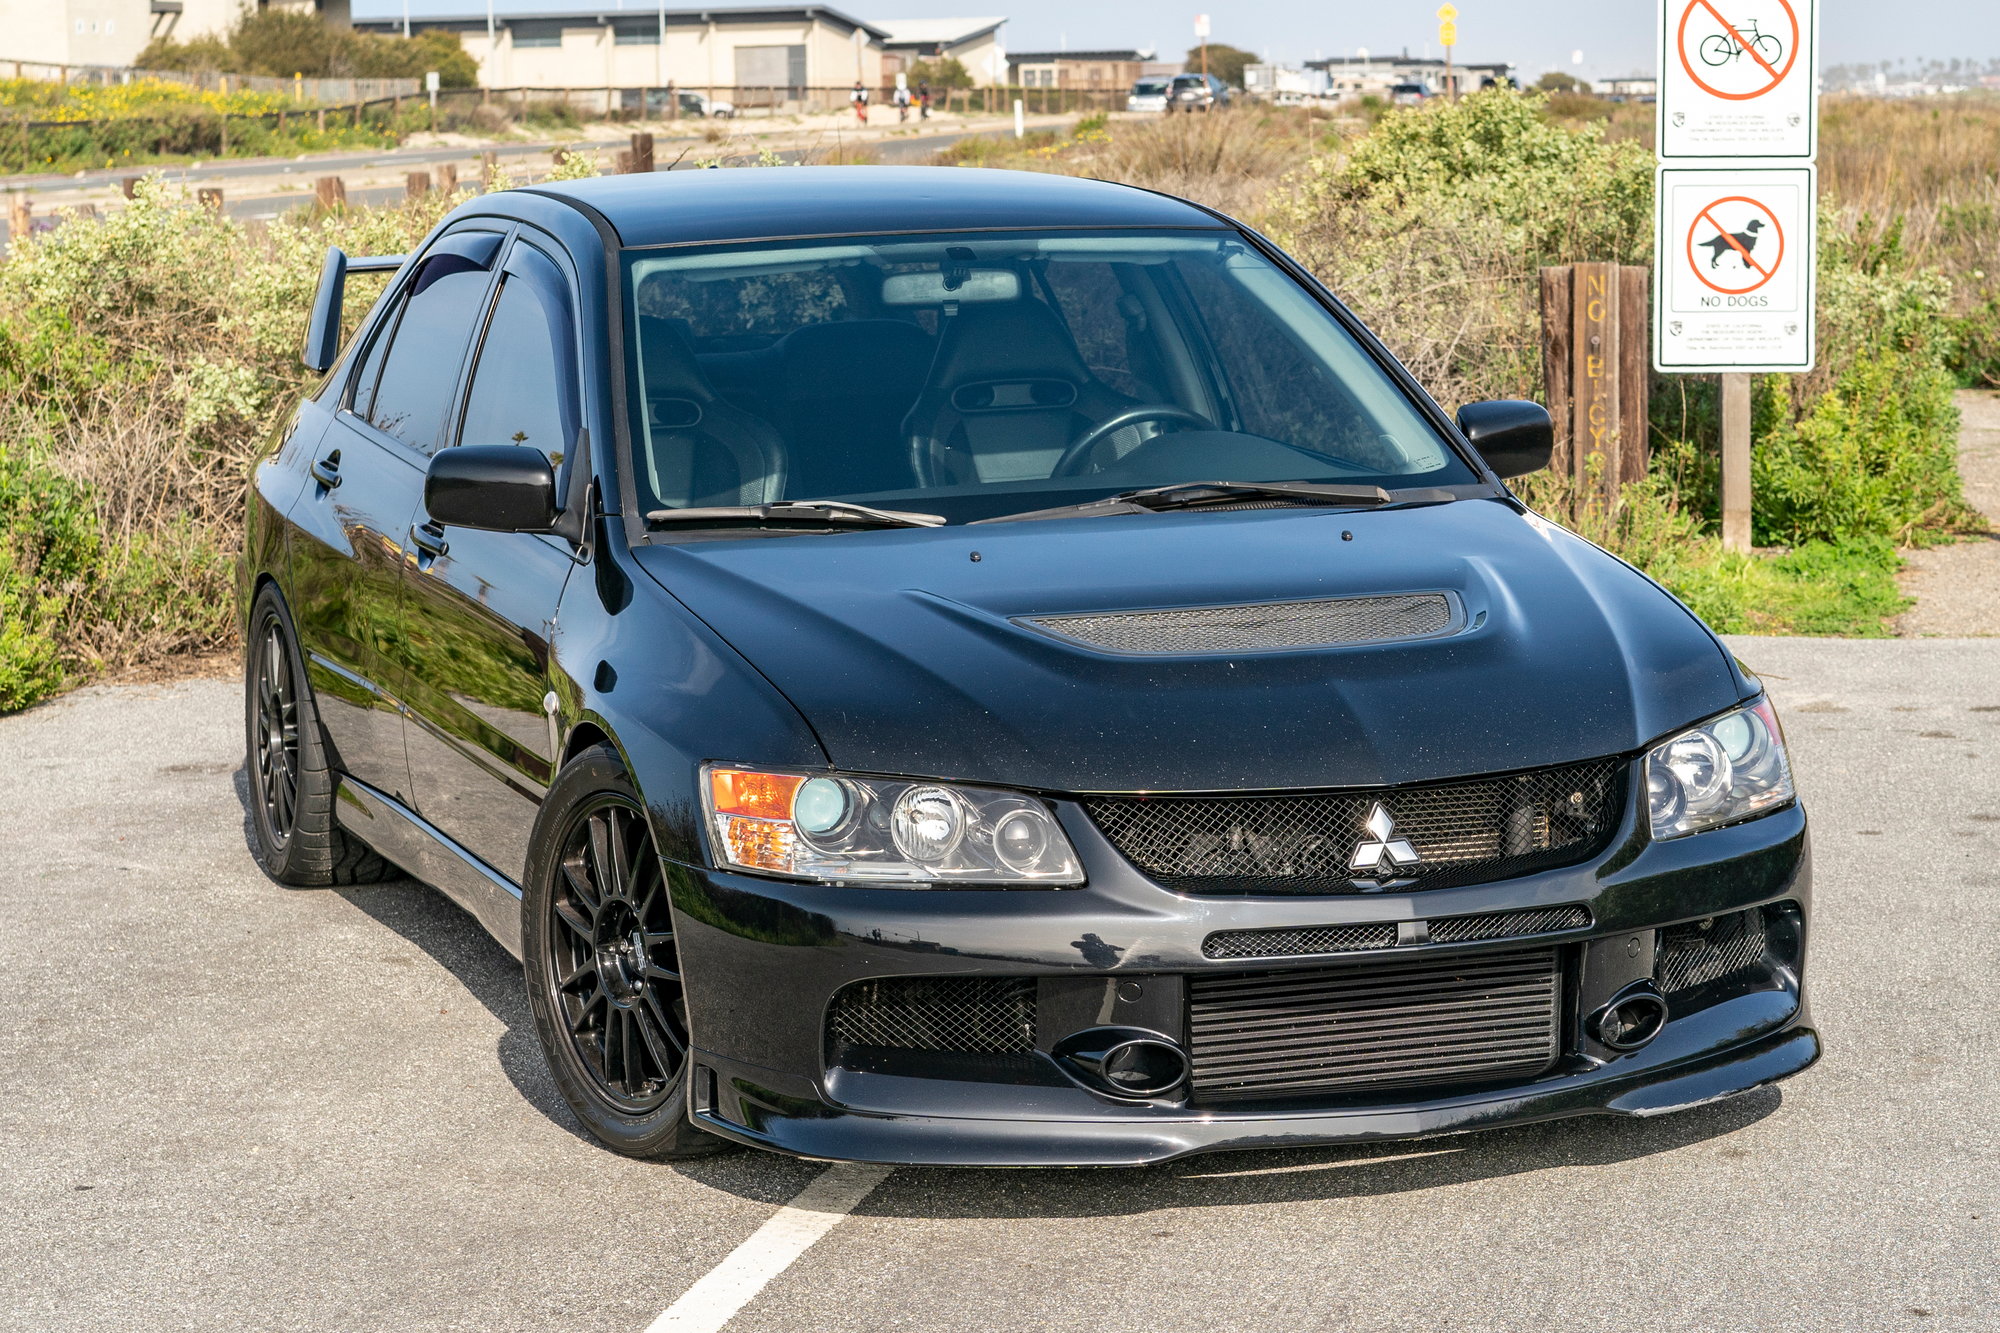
{"x": 902, "y": 648}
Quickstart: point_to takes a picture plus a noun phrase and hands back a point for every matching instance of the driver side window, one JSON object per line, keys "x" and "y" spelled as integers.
{"x": 523, "y": 381}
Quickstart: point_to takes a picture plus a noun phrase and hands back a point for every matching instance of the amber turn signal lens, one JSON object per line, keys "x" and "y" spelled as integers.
{"x": 740, "y": 791}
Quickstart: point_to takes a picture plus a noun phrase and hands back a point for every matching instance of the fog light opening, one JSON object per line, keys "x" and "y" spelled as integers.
{"x": 1633, "y": 1017}
{"x": 1123, "y": 1062}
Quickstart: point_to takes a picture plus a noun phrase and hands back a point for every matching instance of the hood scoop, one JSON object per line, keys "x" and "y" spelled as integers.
{"x": 1259, "y": 627}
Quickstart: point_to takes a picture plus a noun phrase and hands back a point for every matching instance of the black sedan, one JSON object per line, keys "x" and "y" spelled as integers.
{"x": 955, "y": 666}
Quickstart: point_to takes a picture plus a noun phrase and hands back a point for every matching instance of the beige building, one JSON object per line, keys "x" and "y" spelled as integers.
{"x": 1102, "y": 70}
{"x": 102, "y": 32}
{"x": 973, "y": 43}
{"x": 774, "y": 49}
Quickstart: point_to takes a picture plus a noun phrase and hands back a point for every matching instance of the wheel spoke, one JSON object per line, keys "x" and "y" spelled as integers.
{"x": 629, "y": 1053}
{"x": 658, "y": 1014}
{"x": 615, "y": 856}
{"x": 667, "y": 1061}
{"x": 582, "y": 1018}
{"x": 583, "y": 971}
{"x": 574, "y": 919}
{"x": 600, "y": 861}
{"x": 580, "y": 885}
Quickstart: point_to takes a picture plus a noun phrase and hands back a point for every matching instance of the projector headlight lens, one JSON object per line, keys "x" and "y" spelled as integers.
{"x": 847, "y": 829}
{"x": 1718, "y": 773}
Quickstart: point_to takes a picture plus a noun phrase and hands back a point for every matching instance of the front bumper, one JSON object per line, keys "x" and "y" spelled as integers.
{"x": 763, "y": 959}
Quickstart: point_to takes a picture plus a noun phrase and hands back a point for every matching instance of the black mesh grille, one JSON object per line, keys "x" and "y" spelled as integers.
{"x": 1464, "y": 832}
{"x": 1697, "y": 952}
{"x": 1375, "y": 1023}
{"x": 966, "y": 1015}
{"x": 1301, "y": 940}
{"x": 1507, "y": 925}
{"x": 1259, "y": 627}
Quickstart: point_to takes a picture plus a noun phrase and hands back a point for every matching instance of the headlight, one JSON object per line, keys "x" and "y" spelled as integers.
{"x": 883, "y": 830}
{"x": 1725, "y": 770}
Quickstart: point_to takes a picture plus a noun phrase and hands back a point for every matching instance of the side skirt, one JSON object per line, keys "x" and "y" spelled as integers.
{"x": 403, "y": 836}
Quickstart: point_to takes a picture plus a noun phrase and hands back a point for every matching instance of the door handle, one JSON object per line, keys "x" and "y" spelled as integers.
{"x": 429, "y": 541}
{"x": 326, "y": 471}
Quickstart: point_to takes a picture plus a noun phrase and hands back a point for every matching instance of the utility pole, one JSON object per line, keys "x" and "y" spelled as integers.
{"x": 406, "y": 20}
{"x": 1201, "y": 35}
{"x": 1448, "y": 38}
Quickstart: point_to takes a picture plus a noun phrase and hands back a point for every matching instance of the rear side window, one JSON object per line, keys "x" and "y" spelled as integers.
{"x": 522, "y": 387}
{"x": 420, "y": 370}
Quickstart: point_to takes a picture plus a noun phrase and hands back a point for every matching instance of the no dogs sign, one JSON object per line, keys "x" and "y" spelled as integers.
{"x": 1733, "y": 268}
{"x": 1738, "y": 78}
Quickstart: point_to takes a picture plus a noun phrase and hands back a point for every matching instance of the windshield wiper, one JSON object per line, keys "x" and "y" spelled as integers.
{"x": 837, "y": 513}
{"x": 1197, "y": 494}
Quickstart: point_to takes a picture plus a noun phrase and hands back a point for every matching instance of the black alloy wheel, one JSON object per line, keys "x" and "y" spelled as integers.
{"x": 603, "y": 972}
{"x": 616, "y": 977}
{"x": 274, "y": 738}
{"x": 291, "y": 783}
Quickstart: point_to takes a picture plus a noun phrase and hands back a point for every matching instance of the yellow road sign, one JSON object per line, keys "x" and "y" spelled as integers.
{"x": 1447, "y": 13}
{"x": 1447, "y": 33}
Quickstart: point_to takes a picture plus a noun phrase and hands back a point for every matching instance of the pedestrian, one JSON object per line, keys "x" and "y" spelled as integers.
{"x": 860, "y": 102}
{"x": 923, "y": 99}
{"x": 902, "y": 100}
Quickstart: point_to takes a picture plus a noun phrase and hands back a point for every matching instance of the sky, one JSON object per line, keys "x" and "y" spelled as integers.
{"x": 1615, "y": 36}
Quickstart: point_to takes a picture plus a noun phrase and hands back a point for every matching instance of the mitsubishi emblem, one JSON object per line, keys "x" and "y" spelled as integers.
{"x": 1382, "y": 844}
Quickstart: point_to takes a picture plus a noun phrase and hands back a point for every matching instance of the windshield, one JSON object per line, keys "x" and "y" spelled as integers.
{"x": 989, "y": 373}
{"x": 1149, "y": 88}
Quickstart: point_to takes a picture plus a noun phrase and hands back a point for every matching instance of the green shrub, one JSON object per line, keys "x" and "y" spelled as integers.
{"x": 49, "y": 563}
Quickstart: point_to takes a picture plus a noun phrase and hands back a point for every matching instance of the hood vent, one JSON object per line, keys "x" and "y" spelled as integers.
{"x": 1260, "y": 627}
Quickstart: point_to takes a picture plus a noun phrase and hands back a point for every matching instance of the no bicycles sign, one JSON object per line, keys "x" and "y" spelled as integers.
{"x": 1738, "y": 78}
{"x": 1735, "y": 260}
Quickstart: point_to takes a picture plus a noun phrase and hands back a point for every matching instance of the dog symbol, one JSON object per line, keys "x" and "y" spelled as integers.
{"x": 1746, "y": 240}
{"x": 1680, "y": 119}
{"x": 1791, "y": 329}
{"x": 1793, "y": 120}
{"x": 1674, "y": 327}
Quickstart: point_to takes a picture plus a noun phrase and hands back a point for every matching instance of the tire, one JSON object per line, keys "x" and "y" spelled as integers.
{"x": 293, "y": 831}
{"x": 602, "y": 972}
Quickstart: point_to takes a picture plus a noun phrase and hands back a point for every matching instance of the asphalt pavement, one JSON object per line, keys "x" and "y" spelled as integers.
{"x": 227, "y": 1104}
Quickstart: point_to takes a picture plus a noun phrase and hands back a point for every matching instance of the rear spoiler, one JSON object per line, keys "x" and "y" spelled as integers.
{"x": 323, "y": 332}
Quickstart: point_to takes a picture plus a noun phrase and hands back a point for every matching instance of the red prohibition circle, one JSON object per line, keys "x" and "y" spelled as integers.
{"x": 1680, "y": 46}
{"x": 1776, "y": 260}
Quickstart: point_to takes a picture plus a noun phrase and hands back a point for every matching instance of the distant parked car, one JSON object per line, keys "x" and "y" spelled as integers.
{"x": 1409, "y": 94}
{"x": 1197, "y": 92}
{"x": 691, "y": 104}
{"x": 1148, "y": 95}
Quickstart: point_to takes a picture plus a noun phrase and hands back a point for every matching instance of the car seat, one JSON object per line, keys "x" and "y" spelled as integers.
{"x": 700, "y": 448}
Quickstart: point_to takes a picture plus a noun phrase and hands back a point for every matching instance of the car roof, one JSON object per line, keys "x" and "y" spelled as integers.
{"x": 746, "y": 204}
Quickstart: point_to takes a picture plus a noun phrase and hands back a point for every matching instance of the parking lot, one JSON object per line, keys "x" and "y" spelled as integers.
{"x": 227, "y": 1104}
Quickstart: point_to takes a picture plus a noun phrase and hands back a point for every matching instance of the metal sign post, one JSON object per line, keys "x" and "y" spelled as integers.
{"x": 1736, "y": 207}
{"x": 1448, "y": 38}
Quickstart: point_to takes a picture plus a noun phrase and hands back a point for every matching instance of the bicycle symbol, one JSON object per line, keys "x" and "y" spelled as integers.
{"x": 1720, "y": 48}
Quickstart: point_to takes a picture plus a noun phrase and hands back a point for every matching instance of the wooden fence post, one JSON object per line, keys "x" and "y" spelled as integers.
{"x": 1555, "y": 361}
{"x": 20, "y": 218}
{"x": 329, "y": 192}
{"x": 623, "y": 164}
{"x": 209, "y": 197}
{"x": 128, "y": 186}
{"x": 489, "y": 166}
{"x": 1635, "y": 373}
{"x": 447, "y": 178}
{"x": 416, "y": 184}
{"x": 642, "y": 152}
{"x": 1593, "y": 378}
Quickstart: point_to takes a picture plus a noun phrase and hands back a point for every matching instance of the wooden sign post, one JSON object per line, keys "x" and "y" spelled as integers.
{"x": 1594, "y": 364}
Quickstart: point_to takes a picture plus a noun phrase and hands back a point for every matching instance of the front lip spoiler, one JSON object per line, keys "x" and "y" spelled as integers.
{"x": 953, "y": 1142}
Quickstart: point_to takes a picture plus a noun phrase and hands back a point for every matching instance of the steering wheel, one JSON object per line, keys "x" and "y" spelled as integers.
{"x": 1071, "y": 462}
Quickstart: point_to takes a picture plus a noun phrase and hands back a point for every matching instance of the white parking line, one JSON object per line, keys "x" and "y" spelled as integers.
{"x": 772, "y": 1248}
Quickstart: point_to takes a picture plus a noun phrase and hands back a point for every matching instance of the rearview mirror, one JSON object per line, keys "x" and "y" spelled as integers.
{"x": 497, "y": 487}
{"x": 1514, "y": 437}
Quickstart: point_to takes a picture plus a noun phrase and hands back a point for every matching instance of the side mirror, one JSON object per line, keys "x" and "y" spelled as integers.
{"x": 497, "y": 487}
{"x": 1515, "y": 438}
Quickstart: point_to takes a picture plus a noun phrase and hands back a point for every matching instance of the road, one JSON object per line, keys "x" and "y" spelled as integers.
{"x": 260, "y": 188}
{"x": 232, "y": 1105}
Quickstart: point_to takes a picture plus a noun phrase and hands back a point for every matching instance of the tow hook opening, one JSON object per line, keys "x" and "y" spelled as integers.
{"x": 1632, "y": 1017}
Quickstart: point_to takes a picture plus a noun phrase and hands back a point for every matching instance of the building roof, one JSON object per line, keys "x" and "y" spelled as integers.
{"x": 385, "y": 14}
{"x": 942, "y": 32}
{"x": 1051, "y": 57}
{"x": 682, "y": 207}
